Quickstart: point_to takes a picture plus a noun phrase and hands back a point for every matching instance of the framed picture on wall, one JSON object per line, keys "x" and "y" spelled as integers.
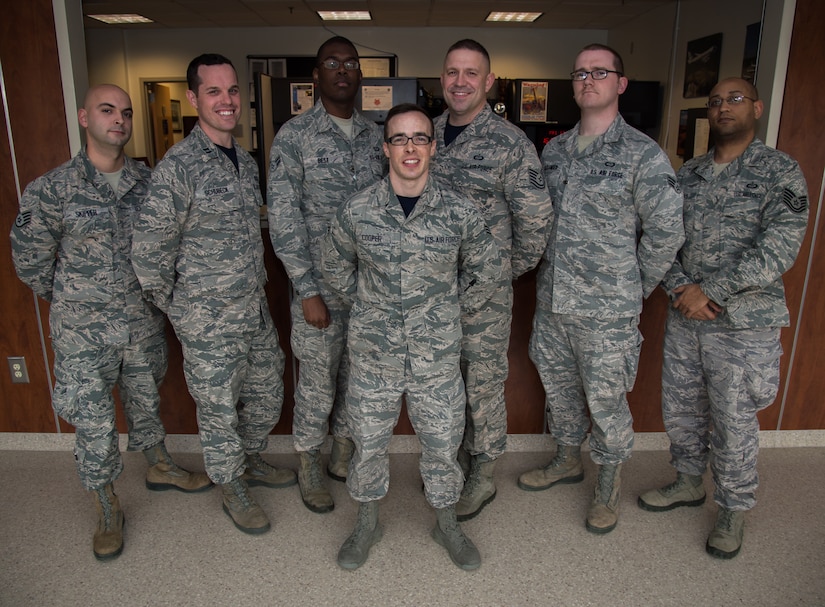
{"x": 177, "y": 123}
{"x": 702, "y": 65}
{"x": 533, "y": 101}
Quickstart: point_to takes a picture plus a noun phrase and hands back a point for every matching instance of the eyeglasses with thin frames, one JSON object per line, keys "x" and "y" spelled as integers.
{"x": 334, "y": 64}
{"x": 595, "y": 74}
{"x": 417, "y": 139}
{"x": 716, "y": 102}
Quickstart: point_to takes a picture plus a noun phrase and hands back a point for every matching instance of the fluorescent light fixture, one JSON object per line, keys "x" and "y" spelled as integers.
{"x": 345, "y": 15}
{"x": 513, "y": 17}
{"x": 125, "y": 18}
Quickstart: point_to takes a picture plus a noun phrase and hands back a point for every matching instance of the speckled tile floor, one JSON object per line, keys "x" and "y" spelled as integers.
{"x": 182, "y": 549}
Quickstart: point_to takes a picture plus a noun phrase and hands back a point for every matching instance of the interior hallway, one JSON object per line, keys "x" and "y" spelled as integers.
{"x": 183, "y": 550}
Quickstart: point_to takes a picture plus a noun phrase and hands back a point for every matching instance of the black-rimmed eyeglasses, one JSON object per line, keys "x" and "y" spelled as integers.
{"x": 595, "y": 74}
{"x": 400, "y": 140}
{"x": 716, "y": 102}
{"x": 334, "y": 64}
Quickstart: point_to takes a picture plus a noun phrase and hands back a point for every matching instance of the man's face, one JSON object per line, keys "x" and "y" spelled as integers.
{"x": 593, "y": 94}
{"x": 217, "y": 100}
{"x": 107, "y": 117}
{"x": 409, "y": 162}
{"x": 731, "y": 120}
{"x": 338, "y": 85}
{"x": 466, "y": 79}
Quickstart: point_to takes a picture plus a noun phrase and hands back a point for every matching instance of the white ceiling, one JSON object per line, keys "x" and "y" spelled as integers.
{"x": 560, "y": 14}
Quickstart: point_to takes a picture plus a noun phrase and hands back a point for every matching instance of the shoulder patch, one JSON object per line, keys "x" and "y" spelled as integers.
{"x": 797, "y": 204}
{"x": 23, "y": 218}
{"x": 537, "y": 179}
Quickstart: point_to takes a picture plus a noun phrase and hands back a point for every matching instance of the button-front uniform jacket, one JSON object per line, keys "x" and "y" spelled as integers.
{"x": 618, "y": 223}
{"x": 313, "y": 169}
{"x": 492, "y": 163}
{"x": 197, "y": 247}
{"x": 744, "y": 229}
{"x": 408, "y": 278}
{"x": 71, "y": 244}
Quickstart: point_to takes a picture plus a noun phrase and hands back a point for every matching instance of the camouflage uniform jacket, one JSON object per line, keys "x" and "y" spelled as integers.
{"x": 618, "y": 223}
{"x": 197, "y": 248}
{"x": 313, "y": 169}
{"x": 411, "y": 275}
{"x": 71, "y": 244}
{"x": 744, "y": 229}
{"x": 493, "y": 164}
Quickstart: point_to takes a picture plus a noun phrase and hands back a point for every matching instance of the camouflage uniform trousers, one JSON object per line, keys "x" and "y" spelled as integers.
{"x": 714, "y": 381}
{"x": 435, "y": 403}
{"x": 85, "y": 376}
{"x": 322, "y": 375}
{"x": 587, "y": 364}
{"x": 484, "y": 366}
{"x": 237, "y": 383}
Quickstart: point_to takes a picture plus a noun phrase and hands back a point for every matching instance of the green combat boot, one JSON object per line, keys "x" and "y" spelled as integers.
{"x": 604, "y": 511}
{"x": 479, "y": 490}
{"x": 355, "y": 550}
{"x": 108, "y": 539}
{"x": 565, "y": 467}
{"x": 725, "y": 540}
{"x": 259, "y": 473}
{"x": 245, "y": 513}
{"x": 686, "y": 490}
{"x": 448, "y": 533}
{"x": 163, "y": 474}
{"x": 314, "y": 494}
{"x": 342, "y": 449}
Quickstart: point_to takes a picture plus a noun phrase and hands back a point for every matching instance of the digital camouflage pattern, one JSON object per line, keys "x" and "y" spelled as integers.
{"x": 744, "y": 229}
{"x": 314, "y": 168}
{"x": 616, "y": 230}
{"x": 492, "y": 163}
{"x": 199, "y": 255}
{"x": 618, "y": 222}
{"x": 71, "y": 243}
{"x": 408, "y": 280}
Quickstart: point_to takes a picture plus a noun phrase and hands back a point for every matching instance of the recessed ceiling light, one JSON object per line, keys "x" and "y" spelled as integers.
{"x": 345, "y": 15}
{"x": 126, "y": 18}
{"x": 513, "y": 17}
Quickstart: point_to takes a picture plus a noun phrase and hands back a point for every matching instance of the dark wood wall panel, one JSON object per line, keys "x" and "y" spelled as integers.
{"x": 801, "y": 136}
{"x": 28, "y": 51}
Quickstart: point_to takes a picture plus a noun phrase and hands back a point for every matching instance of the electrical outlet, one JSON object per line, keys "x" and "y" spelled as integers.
{"x": 17, "y": 368}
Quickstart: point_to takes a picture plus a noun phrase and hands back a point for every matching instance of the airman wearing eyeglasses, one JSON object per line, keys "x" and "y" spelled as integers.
{"x": 318, "y": 160}
{"x": 410, "y": 255}
{"x": 746, "y": 212}
{"x": 617, "y": 228}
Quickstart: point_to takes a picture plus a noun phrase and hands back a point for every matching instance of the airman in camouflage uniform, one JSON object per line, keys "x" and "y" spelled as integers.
{"x": 490, "y": 161}
{"x": 318, "y": 160}
{"x": 71, "y": 244}
{"x": 408, "y": 271}
{"x": 617, "y": 228}
{"x": 746, "y": 212}
{"x": 199, "y": 256}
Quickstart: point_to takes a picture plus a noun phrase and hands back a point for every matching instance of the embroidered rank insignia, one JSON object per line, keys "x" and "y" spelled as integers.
{"x": 671, "y": 181}
{"x": 796, "y": 204}
{"x": 23, "y": 218}
{"x": 537, "y": 179}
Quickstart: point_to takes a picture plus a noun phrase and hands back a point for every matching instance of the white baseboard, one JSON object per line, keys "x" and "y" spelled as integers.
{"x": 280, "y": 443}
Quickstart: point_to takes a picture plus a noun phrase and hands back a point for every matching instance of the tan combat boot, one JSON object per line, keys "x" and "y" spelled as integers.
{"x": 725, "y": 541}
{"x": 686, "y": 490}
{"x": 314, "y": 494}
{"x": 447, "y": 532}
{"x": 164, "y": 474}
{"x": 355, "y": 550}
{"x": 245, "y": 513}
{"x": 565, "y": 467}
{"x": 259, "y": 473}
{"x": 342, "y": 450}
{"x": 108, "y": 539}
{"x": 478, "y": 491}
{"x": 604, "y": 511}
